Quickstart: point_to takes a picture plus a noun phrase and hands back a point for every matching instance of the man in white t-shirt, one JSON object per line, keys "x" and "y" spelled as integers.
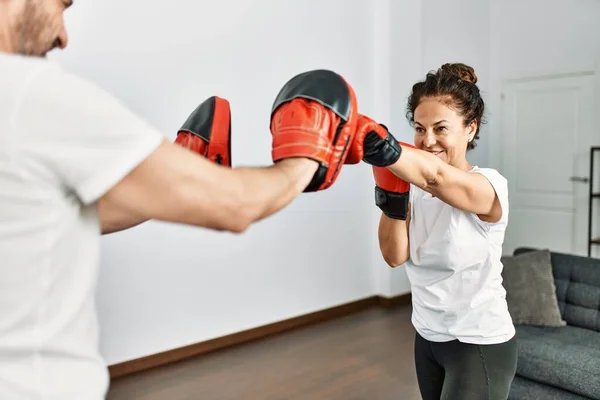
{"x": 76, "y": 163}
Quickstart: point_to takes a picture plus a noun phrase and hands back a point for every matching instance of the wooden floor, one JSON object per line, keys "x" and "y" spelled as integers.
{"x": 364, "y": 356}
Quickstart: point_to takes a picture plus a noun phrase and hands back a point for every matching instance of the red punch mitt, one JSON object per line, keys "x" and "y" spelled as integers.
{"x": 207, "y": 131}
{"x": 314, "y": 116}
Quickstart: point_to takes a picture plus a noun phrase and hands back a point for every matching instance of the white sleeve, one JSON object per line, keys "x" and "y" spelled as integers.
{"x": 411, "y": 194}
{"x": 87, "y": 139}
{"x": 500, "y": 185}
{"x": 411, "y": 198}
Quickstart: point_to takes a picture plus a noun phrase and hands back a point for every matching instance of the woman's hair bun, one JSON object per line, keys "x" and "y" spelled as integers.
{"x": 460, "y": 70}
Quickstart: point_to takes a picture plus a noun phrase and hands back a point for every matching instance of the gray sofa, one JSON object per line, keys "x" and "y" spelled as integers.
{"x": 563, "y": 362}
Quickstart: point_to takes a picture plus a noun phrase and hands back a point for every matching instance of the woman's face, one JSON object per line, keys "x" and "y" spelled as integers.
{"x": 440, "y": 130}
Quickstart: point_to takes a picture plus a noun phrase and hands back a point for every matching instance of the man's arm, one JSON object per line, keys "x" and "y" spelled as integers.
{"x": 176, "y": 185}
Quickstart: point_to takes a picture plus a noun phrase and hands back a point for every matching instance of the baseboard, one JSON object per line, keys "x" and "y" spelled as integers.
{"x": 400, "y": 300}
{"x": 171, "y": 356}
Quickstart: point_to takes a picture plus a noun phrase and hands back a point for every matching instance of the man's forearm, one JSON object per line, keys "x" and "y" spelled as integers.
{"x": 265, "y": 191}
{"x": 271, "y": 190}
{"x": 241, "y": 196}
{"x": 175, "y": 185}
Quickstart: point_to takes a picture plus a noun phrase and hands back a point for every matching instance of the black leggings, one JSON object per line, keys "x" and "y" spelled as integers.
{"x": 461, "y": 371}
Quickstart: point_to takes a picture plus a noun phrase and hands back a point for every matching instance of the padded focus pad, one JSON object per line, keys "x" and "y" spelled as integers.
{"x": 207, "y": 131}
{"x": 323, "y": 86}
{"x": 314, "y": 115}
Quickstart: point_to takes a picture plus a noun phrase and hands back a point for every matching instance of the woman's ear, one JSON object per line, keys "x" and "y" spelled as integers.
{"x": 471, "y": 130}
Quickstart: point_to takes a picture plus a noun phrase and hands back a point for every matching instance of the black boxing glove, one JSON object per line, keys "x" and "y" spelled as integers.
{"x": 373, "y": 144}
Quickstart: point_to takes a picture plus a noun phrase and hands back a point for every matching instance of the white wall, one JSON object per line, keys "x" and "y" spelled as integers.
{"x": 164, "y": 286}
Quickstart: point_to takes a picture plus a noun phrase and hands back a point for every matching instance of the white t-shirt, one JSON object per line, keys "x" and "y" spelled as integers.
{"x": 63, "y": 143}
{"x": 455, "y": 269}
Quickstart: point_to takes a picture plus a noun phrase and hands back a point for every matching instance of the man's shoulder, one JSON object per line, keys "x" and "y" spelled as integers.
{"x": 46, "y": 87}
{"x": 18, "y": 69}
{"x": 45, "y": 74}
{"x": 35, "y": 81}
{"x": 9, "y": 60}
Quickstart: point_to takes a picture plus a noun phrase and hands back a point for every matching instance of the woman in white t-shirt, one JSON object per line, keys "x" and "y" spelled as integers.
{"x": 445, "y": 219}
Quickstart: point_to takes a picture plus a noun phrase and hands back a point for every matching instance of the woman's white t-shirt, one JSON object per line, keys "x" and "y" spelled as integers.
{"x": 455, "y": 269}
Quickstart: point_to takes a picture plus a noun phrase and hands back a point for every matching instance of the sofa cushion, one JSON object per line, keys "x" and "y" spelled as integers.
{"x": 526, "y": 389}
{"x": 530, "y": 289}
{"x": 567, "y": 357}
{"x": 577, "y": 282}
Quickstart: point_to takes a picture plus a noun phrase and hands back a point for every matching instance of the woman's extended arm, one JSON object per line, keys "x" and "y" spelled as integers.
{"x": 470, "y": 192}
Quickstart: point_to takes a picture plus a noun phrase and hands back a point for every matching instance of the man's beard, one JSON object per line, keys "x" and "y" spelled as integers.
{"x": 33, "y": 33}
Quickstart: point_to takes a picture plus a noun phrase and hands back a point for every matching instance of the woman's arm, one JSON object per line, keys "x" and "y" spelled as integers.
{"x": 470, "y": 192}
{"x": 393, "y": 239}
